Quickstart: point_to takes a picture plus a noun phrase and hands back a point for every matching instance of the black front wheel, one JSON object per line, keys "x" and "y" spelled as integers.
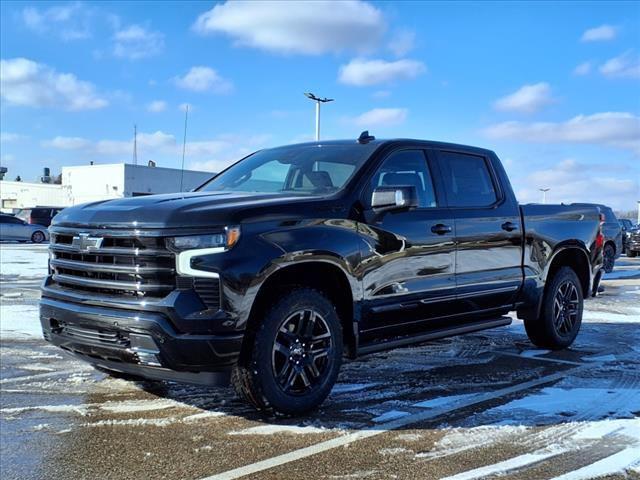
{"x": 609, "y": 258}
{"x": 296, "y": 355}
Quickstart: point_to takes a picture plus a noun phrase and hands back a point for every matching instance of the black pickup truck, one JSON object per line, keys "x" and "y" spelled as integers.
{"x": 272, "y": 272}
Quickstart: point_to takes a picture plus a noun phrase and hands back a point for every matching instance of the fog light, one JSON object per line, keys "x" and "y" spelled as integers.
{"x": 145, "y": 349}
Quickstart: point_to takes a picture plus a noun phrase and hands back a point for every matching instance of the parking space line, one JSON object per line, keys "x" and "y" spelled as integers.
{"x": 385, "y": 427}
{"x": 542, "y": 359}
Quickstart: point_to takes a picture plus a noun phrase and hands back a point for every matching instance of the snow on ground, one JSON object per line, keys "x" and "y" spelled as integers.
{"x": 592, "y": 411}
{"x": 19, "y": 322}
{"x": 23, "y": 260}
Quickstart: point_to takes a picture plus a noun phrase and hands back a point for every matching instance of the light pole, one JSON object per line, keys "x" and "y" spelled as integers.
{"x": 318, "y": 101}
{"x": 544, "y": 194}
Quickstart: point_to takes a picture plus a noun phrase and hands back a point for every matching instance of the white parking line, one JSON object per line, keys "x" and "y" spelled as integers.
{"x": 542, "y": 359}
{"x": 385, "y": 427}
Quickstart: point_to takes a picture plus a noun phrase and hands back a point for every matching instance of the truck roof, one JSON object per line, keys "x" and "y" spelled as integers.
{"x": 390, "y": 141}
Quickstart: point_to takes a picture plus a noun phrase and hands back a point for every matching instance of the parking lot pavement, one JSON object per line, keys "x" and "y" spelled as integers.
{"x": 472, "y": 407}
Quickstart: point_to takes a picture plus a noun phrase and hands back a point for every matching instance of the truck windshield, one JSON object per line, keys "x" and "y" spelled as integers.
{"x": 305, "y": 169}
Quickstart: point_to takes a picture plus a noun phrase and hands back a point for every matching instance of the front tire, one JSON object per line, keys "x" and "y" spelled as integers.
{"x": 296, "y": 355}
{"x": 631, "y": 253}
{"x": 561, "y": 313}
{"x": 609, "y": 256}
{"x": 37, "y": 237}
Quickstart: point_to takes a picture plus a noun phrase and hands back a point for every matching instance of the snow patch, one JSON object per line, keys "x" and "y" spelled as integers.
{"x": 20, "y": 322}
{"x": 274, "y": 429}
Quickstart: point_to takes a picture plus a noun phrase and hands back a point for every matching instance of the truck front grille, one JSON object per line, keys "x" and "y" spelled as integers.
{"x": 133, "y": 266}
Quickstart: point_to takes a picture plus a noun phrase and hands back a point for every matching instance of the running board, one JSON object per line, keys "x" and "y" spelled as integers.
{"x": 448, "y": 332}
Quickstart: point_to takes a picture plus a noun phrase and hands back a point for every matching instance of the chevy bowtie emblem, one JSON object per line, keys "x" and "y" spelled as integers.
{"x": 85, "y": 243}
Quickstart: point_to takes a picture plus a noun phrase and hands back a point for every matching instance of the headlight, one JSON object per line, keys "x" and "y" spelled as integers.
{"x": 224, "y": 240}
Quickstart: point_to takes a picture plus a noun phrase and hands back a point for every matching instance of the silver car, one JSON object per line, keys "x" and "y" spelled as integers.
{"x": 14, "y": 228}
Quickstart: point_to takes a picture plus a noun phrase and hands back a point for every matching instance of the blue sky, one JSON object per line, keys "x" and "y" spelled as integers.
{"x": 554, "y": 88}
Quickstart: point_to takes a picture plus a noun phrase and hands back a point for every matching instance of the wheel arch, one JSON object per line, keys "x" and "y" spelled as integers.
{"x": 324, "y": 275}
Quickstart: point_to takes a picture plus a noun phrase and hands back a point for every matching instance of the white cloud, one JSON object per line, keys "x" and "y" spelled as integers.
{"x": 617, "y": 129}
{"x": 573, "y": 181}
{"x": 67, "y": 143}
{"x": 310, "y": 28}
{"x": 147, "y": 143}
{"x": 402, "y": 42}
{"x": 527, "y": 99}
{"x": 361, "y": 72}
{"x": 9, "y": 137}
{"x": 157, "y": 106}
{"x": 204, "y": 79}
{"x": 583, "y": 69}
{"x": 626, "y": 65}
{"x": 599, "y": 34}
{"x": 135, "y": 42}
{"x": 224, "y": 150}
{"x": 28, "y": 83}
{"x": 381, "y": 117}
{"x": 69, "y": 22}
{"x": 210, "y": 155}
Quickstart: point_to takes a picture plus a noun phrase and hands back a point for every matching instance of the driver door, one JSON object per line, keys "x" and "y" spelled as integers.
{"x": 409, "y": 274}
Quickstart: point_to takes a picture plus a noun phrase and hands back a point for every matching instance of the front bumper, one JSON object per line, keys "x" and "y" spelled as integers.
{"x": 139, "y": 343}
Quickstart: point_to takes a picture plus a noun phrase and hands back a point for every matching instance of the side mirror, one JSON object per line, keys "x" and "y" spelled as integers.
{"x": 389, "y": 198}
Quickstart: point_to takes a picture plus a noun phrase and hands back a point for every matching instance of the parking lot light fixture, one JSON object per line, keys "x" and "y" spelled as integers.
{"x": 318, "y": 101}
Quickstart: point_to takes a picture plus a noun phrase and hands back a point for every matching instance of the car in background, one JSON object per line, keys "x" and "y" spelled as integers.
{"x": 14, "y": 228}
{"x": 38, "y": 215}
{"x": 612, "y": 236}
{"x": 626, "y": 225}
{"x": 633, "y": 242}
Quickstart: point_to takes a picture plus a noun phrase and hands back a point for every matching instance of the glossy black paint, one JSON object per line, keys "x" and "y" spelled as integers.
{"x": 414, "y": 272}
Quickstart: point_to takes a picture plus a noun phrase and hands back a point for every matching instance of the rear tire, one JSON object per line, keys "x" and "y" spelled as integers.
{"x": 561, "y": 312}
{"x": 37, "y": 237}
{"x": 295, "y": 357}
{"x": 631, "y": 253}
{"x": 609, "y": 256}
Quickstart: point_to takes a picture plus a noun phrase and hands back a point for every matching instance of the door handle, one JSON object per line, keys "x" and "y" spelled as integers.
{"x": 509, "y": 226}
{"x": 441, "y": 229}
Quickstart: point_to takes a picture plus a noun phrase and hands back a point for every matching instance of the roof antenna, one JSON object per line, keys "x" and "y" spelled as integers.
{"x": 184, "y": 144}
{"x": 365, "y": 137}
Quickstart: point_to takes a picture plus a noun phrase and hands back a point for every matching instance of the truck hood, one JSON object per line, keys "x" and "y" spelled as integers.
{"x": 181, "y": 210}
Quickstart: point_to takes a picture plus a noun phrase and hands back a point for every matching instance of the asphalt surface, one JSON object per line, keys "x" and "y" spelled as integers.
{"x": 483, "y": 405}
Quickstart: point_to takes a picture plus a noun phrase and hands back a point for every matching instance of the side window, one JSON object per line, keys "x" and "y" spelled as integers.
{"x": 467, "y": 180}
{"x": 408, "y": 167}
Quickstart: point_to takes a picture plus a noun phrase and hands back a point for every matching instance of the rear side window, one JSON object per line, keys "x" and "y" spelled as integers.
{"x": 467, "y": 180}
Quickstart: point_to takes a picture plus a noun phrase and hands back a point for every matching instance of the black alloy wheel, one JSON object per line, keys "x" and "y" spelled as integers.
{"x": 565, "y": 308}
{"x": 301, "y": 352}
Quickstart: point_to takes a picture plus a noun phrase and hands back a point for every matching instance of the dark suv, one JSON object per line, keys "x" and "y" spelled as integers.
{"x": 272, "y": 271}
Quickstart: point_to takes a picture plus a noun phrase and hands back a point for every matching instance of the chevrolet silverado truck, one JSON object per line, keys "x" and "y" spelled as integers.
{"x": 294, "y": 258}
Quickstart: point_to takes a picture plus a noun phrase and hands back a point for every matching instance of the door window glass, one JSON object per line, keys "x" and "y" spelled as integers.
{"x": 408, "y": 168}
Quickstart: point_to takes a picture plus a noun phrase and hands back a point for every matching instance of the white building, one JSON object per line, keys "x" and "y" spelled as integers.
{"x": 90, "y": 183}
{"x": 23, "y": 194}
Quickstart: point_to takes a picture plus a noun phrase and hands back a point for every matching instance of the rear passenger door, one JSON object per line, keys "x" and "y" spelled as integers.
{"x": 488, "y": 237}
